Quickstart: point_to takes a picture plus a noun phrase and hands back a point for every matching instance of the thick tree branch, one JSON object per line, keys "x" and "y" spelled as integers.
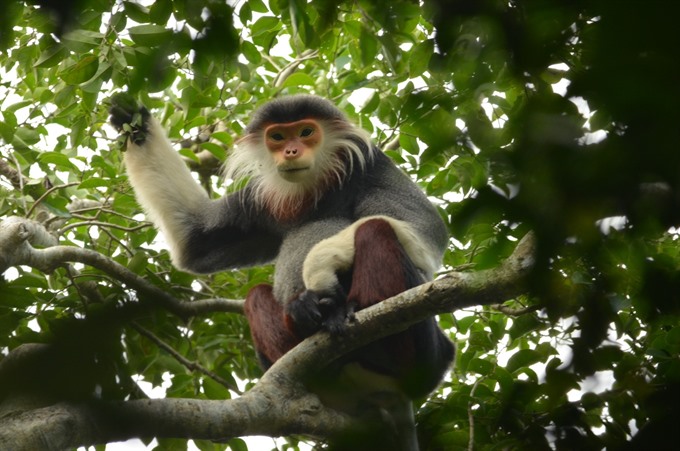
{"x": 261, "y": 411}
{"x": 212, "y": 305}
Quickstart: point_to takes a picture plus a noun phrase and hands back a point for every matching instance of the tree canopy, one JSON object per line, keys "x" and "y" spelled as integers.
{"x": 546, "y": 132}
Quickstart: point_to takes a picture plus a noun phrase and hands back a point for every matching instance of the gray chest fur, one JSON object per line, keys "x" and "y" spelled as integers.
{"x": 296, "y": 245}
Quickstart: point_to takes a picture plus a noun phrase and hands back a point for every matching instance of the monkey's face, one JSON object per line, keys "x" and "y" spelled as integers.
{"x": 293, "y": 147}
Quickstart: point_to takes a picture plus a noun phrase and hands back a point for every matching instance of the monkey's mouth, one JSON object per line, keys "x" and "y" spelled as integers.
{"x": 293, "y": 170}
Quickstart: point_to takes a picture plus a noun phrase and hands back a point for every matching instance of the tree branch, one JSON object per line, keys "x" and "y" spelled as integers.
{"x": 291, "y": 67}
{"x": 18, "y": 236}
{"x": 263, "y": 410}
{"x": 11, "y": 174}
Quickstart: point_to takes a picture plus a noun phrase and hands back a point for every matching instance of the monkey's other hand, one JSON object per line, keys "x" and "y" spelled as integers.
{"x": 129, "y": 117}
{"x": 313, "y": 311}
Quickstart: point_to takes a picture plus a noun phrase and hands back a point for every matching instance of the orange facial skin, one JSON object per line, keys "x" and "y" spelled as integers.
{"x": 293, "y": 144}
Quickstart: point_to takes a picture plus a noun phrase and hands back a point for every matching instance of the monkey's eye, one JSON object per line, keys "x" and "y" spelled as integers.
{"x": 276, "y": 136}
{"x": 306, "y": 132}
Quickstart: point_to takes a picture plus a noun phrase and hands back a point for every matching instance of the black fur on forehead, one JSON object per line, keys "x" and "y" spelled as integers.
{"x": 294, "y": 108}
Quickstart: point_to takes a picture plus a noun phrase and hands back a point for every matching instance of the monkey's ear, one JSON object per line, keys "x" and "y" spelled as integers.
{"x": 129, "y": 117}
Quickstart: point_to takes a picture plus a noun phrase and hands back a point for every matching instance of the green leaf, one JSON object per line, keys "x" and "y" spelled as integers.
{"x": 81, "y": 41}
{"x": 136, "y": 12}
{"x": 251, "y": 52}
{"x": 245, "y": 14}
{"x": 58, "y": 159}
{"x": 28, "y": 135}
{"x": 78, "y": 132}
{"x": 480, "y": 366}
{"x": 188, "y": 153}
{"x": 19, "y": 105}
{"x": 244, "y": 72}
{"x": 192, "y": 98}
{"x": 215, "y": 149}
{"x": 237, "y": 444}
{"x": 150, "y": 35}
{"x": 160, "y": 11}
{"x": 264, "y": 24}
{"x": 258, "y": 6}
{"x": 372, "y": 104}
{"x": 10, "y": 14}
{"x": 524, "y": 325}
{"x": 51, "y": 56}
{"x": 369, "y": 46}
{"x": 7, "y": 131}
{"x": 93, "y": 182}
{"x": 522, "y": 359}
{"x": 81, "y": 71}
{"x": 214, "y": 390}
{"x": 224, "y": 137}
{"x": 464, "y": 324}
{"x": 419, "y": 58}
{"x": 299, "y": 79}
{"x": 93, "y": 85}
{"x": 138, "y": 262}
{"x": 600, "y": 120}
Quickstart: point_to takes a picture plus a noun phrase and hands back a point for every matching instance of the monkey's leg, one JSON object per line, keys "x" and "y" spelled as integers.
{"x": 381, "y": 270}
{"x": 418, "y": 357}
{"x": 265, "y": 315}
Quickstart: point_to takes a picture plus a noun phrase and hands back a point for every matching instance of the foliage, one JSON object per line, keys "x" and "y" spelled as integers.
{"x": 468, "y": 97}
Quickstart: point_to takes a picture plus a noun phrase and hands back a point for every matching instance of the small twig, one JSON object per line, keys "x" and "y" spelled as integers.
{"x": 99, "y": 209}
{"x": 104, "y": 224}
{"x": 391, "y": 144}
{"x": 190, "y": 365}
{"x": 459, "y": 268}
{"x": 291, "y": 67}
{"x": 515, "y": 311}
{"x": 471, "y": 416}
{"x": 22, "y": 182}
{"x": 115, "y": 239}
{"x": 47, "y": 193}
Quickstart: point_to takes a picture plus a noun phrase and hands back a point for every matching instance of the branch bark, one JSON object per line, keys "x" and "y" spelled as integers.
{"x": 258, "y": 412}
{"x": 279, "y": 404}
{"x": 18, "y": 236}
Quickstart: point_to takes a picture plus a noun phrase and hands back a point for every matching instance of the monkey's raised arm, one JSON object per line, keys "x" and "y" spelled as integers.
{"x": 204, "y": 235}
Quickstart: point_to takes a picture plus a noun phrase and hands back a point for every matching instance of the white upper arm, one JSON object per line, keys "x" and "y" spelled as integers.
{"x": 164, "y": 186}
{"x": 336, "y": 254}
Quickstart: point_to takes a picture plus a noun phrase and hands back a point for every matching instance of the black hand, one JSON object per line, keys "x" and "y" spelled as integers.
{"x": 130, "y": 118}
{"x": 313, "y": 311}
{"x": 305, "y": 313}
